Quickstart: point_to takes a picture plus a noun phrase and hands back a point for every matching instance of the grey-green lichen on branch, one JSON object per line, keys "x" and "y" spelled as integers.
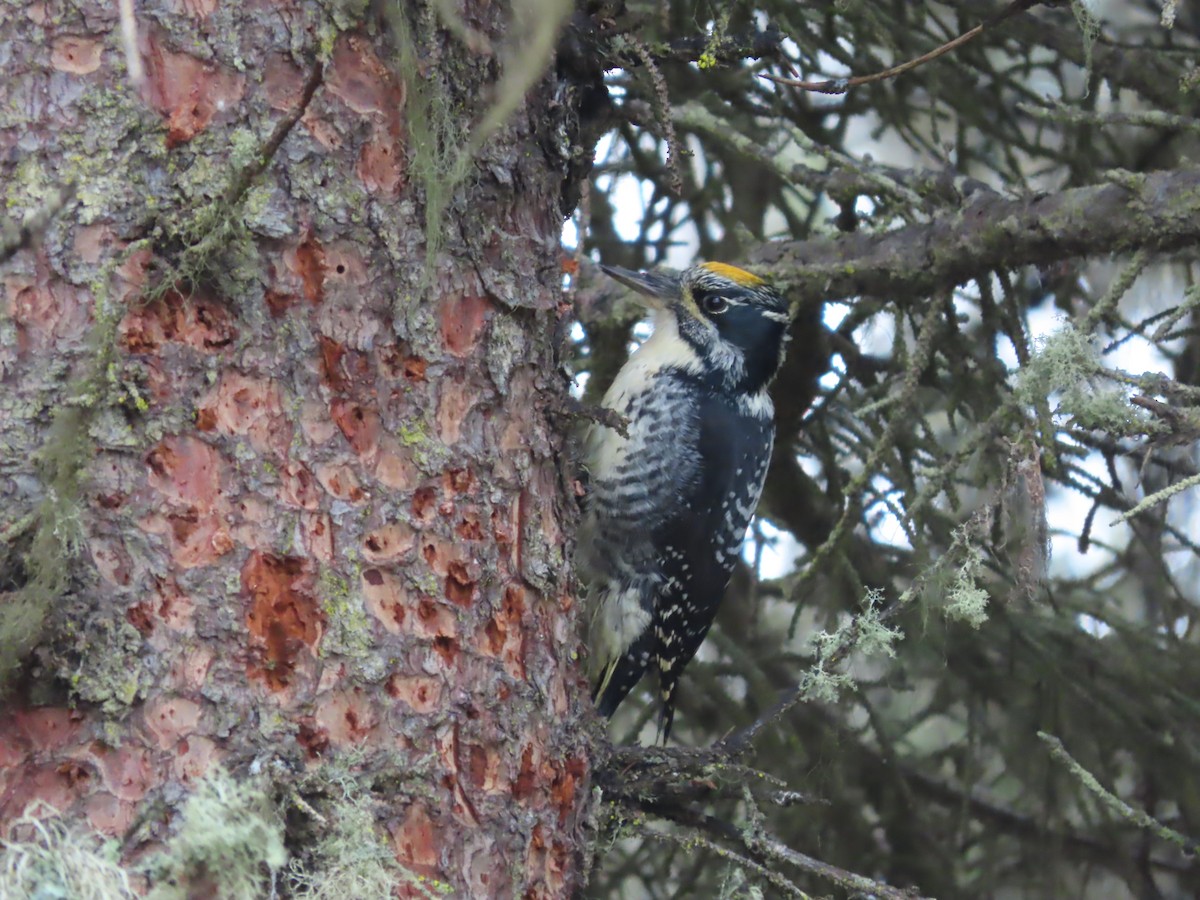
{"x": 1158, "y": 212}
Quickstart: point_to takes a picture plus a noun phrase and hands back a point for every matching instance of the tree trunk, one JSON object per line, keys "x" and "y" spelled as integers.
{"x": 281, "y": 489}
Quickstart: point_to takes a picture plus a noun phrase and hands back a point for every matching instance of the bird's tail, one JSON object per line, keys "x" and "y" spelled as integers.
{"x": 606, "y": 705}
{"x": 617, "y": 679}
{"x": 667, "y": 716}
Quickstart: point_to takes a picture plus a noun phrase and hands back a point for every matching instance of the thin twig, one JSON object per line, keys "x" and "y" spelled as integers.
{"x": 693, "y": 838}
{"x": 762, "y": 850}
{"x": 239, "y": 185}
{"x": 129, "y": 43}
{"x": 842, "y": 85}
{"x": 663, "y": 100}
{"x": 1133, "y": 815}
{"x": 725, "y": 49}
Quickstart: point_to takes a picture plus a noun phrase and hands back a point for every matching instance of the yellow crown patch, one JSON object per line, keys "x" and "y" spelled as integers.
{"x": 733, "y": 273}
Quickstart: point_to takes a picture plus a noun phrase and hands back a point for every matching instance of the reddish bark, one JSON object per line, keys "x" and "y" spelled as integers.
{"x": 332, "y": 519}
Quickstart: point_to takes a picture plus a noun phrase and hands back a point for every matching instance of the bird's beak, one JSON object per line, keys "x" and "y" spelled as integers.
{"x": 655, "y": 286}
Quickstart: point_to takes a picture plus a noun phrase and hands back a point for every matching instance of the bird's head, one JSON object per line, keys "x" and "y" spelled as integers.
{"x": 734, "y": 321}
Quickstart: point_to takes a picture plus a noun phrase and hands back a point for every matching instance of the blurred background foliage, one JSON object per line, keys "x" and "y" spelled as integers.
{"x": 955, "y": 468}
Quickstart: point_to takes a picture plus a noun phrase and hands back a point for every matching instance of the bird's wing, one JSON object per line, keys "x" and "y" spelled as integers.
{"x": 638, "y": 487}
{"x": 639, "y": 480}
{"x": 699, "y": 551}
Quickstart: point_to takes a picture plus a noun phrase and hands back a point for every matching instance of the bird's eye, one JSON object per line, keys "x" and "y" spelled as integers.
{"x": 714, "y": 304}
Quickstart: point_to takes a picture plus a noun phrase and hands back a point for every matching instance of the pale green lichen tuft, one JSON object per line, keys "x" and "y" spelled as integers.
{"x": 966, "y": 601}
{"x": 1066, "y": 365}
{"x": 1062, "y": 360}
{"x": 230, "y": 839}
{"x": 351, "y": 854}
{"x": 1089, "y": 31}
{"x": 874, "y": 637}
{"x": 349, "y": 859}
{"x": 865, "y": 633}
{"x": 44, "y": 858}
{"x": 437, "y": 131}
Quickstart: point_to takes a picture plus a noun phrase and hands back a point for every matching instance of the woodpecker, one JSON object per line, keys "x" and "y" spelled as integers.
{"x": 668, "y": 502}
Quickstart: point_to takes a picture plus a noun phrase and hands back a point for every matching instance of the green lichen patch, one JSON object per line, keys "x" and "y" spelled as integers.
{"x": 107, "y": 670}
{"x": 430, "y": 456}
{"x": 349, "y": 630}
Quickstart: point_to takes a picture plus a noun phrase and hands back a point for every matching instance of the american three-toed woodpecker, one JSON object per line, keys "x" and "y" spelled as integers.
{"x": 669, "y": 502}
